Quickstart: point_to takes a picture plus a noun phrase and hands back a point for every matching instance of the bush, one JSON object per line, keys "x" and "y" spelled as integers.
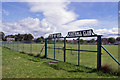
{"x": 106, "y": 68}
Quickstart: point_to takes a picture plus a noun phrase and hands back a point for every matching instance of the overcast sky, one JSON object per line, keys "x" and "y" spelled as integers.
{"x": 43, "y": 18}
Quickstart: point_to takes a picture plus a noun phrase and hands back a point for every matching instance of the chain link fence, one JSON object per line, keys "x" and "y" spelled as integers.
{"x": 28, "y": 47}
{"x": 88, "y": 52}
{"x": 88, "y": 59}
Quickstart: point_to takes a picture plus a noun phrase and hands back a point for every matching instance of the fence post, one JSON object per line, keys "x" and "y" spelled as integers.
{"x": 46, "y": 48}
{"x": 2, "y": 44}
{"x": 78, "y": 51}
{"x": 5, "y": 44}
{"x": 99, "y": 52}
{"x": 31, "y": 47}
{"x": 17, "y": 45}
{"x": 65, "y": 49}
{"x": 23, "y": 47}
{"x": 9, "y": 45}
{"x": 13, "y": 45}
{"x": 54, "y": 47}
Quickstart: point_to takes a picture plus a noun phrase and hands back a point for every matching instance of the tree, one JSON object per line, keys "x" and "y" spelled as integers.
{"x": 104, "y": 40}
{"x": 58, "y": 40}
{"x": 42, "y": 37}
{"x": 39, "y": 39}
{"x": 81, "y": 41}
{"x": 118, "y": 39}
{"x": 9, "y": 36}
{"x": 111, "y": 40}
{"x": 21, "y": 37}
{"x": 28, "y": 37}
{"x": 50, "y": 41}
{"x": 92, "y": 40}
{"x": 2, "y": 36}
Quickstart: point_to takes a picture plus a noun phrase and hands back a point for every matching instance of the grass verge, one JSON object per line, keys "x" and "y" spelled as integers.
{"x": 17, "y": 65}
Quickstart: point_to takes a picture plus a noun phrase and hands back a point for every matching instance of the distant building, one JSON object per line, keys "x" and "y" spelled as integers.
{"x": 10, "y": 39}
{"x": 104, "y": 41}
{"x": 33, "y": 38}
{"x": 72, "y": 41}
{"x": 117, "y": 42}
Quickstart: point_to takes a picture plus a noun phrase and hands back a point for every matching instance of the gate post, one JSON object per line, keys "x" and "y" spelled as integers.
{"x": 65, "y": 49}
{"x": 98, "y": 52}
{"x": 46, "y": 48}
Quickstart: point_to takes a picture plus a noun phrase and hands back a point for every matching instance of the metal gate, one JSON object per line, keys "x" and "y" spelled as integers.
{"x": 57, "y": 47}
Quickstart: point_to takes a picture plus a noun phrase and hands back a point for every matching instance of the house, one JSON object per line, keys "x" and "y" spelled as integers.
{"x": 72, "y": 41}
{"x": 104, "y": 41}
{"x": 10, "y": 39}
{"x": 117, "y": 42}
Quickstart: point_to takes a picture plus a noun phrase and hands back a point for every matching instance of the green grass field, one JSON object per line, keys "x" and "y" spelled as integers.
{"x": 88, "y": 59}
{"x": 18, "y": 65}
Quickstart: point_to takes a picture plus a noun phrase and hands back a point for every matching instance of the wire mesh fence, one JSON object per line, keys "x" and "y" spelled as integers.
{"x": 28, "y": 47}
{"x": 106, "y": 59}
{"x": 70, "y": 50}
{"x": 55, "y": 49}
{"x": 86, "y": 56}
